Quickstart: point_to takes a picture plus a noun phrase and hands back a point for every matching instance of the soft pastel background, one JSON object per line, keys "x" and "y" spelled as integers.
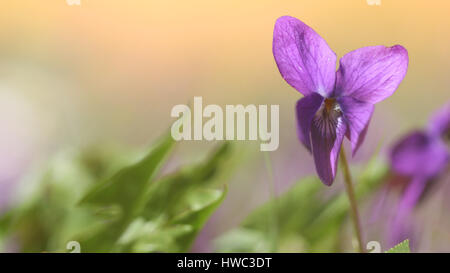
{"x": 110, "y": 71}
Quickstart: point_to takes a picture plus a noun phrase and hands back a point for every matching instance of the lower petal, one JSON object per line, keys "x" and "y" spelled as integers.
{"x": 357, "y": 115}
{"x": 327, "y": 134}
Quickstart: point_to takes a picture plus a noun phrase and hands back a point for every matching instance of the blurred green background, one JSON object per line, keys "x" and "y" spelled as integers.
{"x": 106, "y": 74}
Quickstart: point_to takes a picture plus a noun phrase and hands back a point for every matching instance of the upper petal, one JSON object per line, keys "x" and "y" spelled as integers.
{"x": 306, "y": 108}
{"x": 357, "y": 115}
{"x": 371, "y": 74}
{"x": 327, "y": 133}
{"x": 303, "y": 58}
{"x": 419, "y": 154}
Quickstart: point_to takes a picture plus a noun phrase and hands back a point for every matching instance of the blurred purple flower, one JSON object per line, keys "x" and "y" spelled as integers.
{"x": 440, "y": 123}
{"x": 421, "y": 156}
{"x": 335, "y": 103}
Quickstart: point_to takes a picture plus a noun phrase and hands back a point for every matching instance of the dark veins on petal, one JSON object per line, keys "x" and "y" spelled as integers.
{"x": 328, "y": 118}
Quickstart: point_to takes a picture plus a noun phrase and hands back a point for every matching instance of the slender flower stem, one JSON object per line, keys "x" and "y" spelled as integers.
{"x": 352, "y": 199}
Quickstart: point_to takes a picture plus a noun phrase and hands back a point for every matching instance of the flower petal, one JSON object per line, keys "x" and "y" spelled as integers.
{"x": 303, "y": 58}
{"x": 402, "y": 224}
{"x": 306, "y": 108}
{"x": 440, "y": 123}
{"x": 357, "y": 115}
{"x": 327, "y": 134}
{"x": 371, "y": 74}
{"x": 419, "y": 154}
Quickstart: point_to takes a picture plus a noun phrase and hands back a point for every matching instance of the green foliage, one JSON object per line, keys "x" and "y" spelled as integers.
{"x": 169, "y": 194}
{"x": 402, "y": 247}
{"x": 118, "y": 198}
{"x": 108, "y": 202}
{"x": 110, "y": 205}
{"x": 129, "y": 182}
{"x": 159, "y": 205}
{"x": 175, "y": 234}
{"x": 305, "y": 219}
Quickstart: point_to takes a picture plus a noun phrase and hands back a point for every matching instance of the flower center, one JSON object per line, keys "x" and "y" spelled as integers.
{"x": 328, "y": 118}
{"x": 329, "y": 104}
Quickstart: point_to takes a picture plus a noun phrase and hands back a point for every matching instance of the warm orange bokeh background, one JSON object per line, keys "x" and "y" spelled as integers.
{"x": 126, "y": 62}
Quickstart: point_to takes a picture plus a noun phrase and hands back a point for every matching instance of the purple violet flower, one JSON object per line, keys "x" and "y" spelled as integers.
{"x": 422, "y": 156}
{"x": 419, "y": 154}
{"x": 424, "y": 153}
{"x": 439, "y": 125}
{"x": 334, "y": 103}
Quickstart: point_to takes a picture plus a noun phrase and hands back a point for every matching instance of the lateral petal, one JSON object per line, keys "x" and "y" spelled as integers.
{"x": 306, "y": 108}
{"x": 357, "y": 115}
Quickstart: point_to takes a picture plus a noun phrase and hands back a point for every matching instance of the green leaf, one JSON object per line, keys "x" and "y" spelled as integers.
{"x": 167, "y": 196}
{"x": 122, "y": 194}
{"x": 129, "y": 211}
{"x": 326, "y": 225}
{"x": 127, "y": 186}
{"x": 158, "y": 202}
{"x": 41, "y": 221}
{"x": 178, "y": 234}
{"x": 306, "y": 214}
{"x": 5, "y": 221}
{"x": 179, "y": 203}
{"x": 295, "y": 209}
{"x": 243, "y": 240}
{"x": 402, "y": 247}
{"x": 202, "y": 206}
